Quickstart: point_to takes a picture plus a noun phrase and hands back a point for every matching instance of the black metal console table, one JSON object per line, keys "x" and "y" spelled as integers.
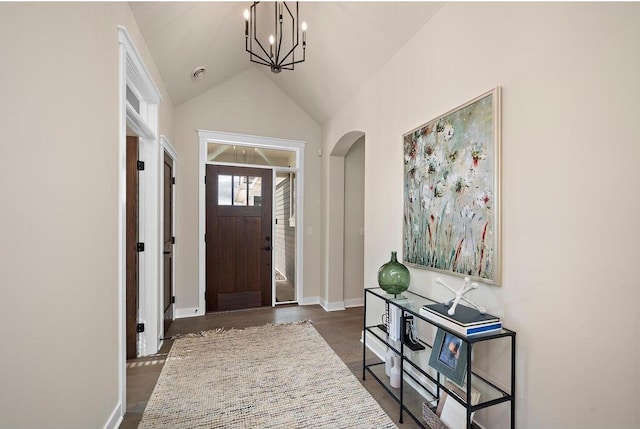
{"x": 419, "y": 382}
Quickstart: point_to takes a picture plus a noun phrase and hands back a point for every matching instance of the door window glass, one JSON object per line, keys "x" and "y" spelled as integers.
{"x": 239, "y": 190}
{"x": 255, "y": 191}
{"x": 224, "y": 190}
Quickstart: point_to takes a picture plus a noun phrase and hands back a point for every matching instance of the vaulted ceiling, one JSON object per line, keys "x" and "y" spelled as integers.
{"x": 347, "y": 42}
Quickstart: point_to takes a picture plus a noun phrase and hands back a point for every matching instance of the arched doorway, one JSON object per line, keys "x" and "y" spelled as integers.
{"x": 345, "y": 233}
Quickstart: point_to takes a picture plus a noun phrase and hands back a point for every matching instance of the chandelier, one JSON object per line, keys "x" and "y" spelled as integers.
{"x": 283, "y": 35}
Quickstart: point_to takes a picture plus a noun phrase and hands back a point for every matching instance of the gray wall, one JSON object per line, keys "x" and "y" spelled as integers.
{"x": 354, "y": 223}
{"x": 248, "y": 103}
{"x": 570, "y": 203}
{"x": 59, "y": 125}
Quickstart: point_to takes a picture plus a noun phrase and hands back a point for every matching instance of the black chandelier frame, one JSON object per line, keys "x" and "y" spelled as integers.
{"x": 274, "y": 58}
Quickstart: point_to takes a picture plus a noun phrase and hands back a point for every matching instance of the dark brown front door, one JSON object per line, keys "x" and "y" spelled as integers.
{"x": 168, "y": 242}
{"x": 238, "y": 237}
{"x": 131, "y": 243}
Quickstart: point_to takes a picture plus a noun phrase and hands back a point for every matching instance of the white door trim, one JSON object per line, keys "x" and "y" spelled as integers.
{"x": 205, "y": 137}
{"x": 144, "y": 121}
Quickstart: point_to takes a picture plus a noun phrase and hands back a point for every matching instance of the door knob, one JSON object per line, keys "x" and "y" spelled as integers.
{"x": 267, "y": 248}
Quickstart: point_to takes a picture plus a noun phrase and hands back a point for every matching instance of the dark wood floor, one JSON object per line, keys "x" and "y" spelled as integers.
{"x": 341, "y": 329}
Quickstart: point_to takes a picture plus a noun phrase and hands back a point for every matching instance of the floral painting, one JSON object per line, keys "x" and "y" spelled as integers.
{"x": 451, "y": 186}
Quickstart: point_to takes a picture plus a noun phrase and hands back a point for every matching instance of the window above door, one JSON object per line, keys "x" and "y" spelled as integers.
{"x": 233, "y": 154}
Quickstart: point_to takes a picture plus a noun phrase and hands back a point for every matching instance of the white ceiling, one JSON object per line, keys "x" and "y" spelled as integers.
{"x": 347, "y": 42}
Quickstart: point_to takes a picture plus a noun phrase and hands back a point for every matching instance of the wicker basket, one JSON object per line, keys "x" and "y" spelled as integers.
{"x": 431, "y": 418}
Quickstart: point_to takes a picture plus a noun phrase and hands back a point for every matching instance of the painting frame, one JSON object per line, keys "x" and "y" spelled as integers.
{"x": 455, "y": 371}
{"x": 452, "y": 194}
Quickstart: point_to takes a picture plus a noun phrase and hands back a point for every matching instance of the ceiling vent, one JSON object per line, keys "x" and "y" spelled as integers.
{"x": 198, "y": 72}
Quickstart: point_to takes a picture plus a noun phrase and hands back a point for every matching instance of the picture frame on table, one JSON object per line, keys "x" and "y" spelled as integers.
{"x": 452, "y": 413}
{"x": 449, "y": 356}
{"x": 452, "y": 191}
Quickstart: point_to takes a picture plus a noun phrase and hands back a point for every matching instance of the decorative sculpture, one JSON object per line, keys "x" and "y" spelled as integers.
{"x": 460, "y": 295}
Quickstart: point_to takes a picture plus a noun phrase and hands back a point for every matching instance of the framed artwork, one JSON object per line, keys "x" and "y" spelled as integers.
{"x": 452, "y": 191}
{"x": 449, "y": 356}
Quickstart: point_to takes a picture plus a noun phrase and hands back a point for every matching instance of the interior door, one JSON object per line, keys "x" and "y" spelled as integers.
{"x": 131, "y": 250}
{"x": 238, "y": 237}
{"x": 168, "y": 242}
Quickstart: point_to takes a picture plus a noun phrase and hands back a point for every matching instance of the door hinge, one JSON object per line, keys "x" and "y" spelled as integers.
{"x": 205, "y": 238}
{"x": 140, "y": 328}
{"x": 140, "y": 247}
{"x": 140, "y": 165}
{"x": 173, "y": 240}
{"x": 173, "y": 180}
{"x": 173, "y": 300}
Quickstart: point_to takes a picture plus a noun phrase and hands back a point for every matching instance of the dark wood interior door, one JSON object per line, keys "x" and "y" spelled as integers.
{"x": 131, "y": 250}
{"x": 238, "y": 237}
{"x": 168, "y": 242}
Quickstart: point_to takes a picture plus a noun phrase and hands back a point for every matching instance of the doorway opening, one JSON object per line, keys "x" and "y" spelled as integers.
{"x": 345, "y": 236}
{"x": 284, "y": 159}
{"x": 285, "y": 238}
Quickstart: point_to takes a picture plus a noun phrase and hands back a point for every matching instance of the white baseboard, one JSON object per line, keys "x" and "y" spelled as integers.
{"x": 354, "y": 302}
{"x": 309, "y": 300}
{"x": 332, "y": 306}
{"x": 181, "y": 313}
{"x": 115, "y": 418}
{"x": 375, "y": 345}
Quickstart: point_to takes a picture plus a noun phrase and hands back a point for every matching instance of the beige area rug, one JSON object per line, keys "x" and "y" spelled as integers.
{"x": 273, "y": 376}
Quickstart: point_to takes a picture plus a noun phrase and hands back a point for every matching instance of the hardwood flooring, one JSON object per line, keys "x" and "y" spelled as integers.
{"x": 340, "y": 329}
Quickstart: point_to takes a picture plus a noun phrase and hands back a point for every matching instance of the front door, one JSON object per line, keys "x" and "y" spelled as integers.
{"x": 238, "y": 237}
{"x": 168, "y": 242}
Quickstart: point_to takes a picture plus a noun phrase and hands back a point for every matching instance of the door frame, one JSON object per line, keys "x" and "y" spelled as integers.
{"x": 167, "y": 147}
{"x": 144, "y": 122}
{"x": 204, "y": 138}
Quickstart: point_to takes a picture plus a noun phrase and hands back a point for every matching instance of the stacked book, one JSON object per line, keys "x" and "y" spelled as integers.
{"x": 465, "y": 320}
{"x": 394, "y": 318}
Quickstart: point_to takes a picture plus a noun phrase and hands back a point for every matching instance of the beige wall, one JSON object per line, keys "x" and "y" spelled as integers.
{"x": 246, "y": 104}
{"x": 570, "y": 214}
{"x": 59, "y": 190}
{"x": 354, "y": 223}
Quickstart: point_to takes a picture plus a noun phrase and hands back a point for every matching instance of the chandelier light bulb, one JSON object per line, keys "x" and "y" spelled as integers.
{"x": 246, "y": 14}
{"x": 271, "y": 41}
{"x": 304, "y": 26}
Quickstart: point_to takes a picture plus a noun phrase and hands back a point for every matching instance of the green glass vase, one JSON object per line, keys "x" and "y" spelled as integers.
{"x": 393, "y": 277}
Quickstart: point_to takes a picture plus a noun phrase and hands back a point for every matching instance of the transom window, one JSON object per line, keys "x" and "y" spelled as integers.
{"x": 133, "y": 100}
{"x": 232, "y": 154}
